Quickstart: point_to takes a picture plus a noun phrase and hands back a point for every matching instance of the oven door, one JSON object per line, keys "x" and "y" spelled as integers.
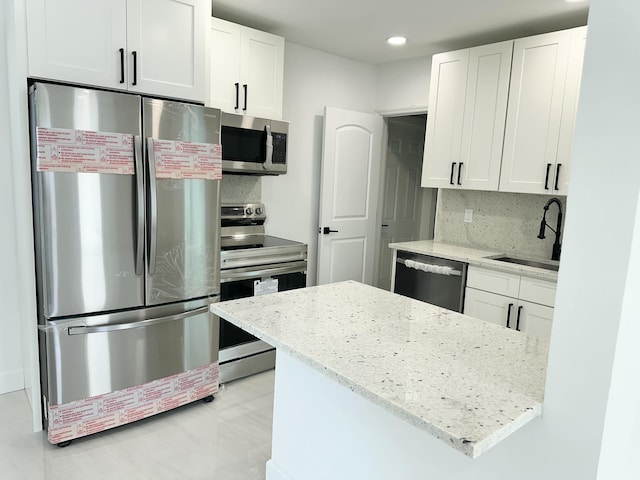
{"x": 246, "y": 282}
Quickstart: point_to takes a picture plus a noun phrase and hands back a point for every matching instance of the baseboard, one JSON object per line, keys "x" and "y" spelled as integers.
{"x": 11, "y": 381}
{"x": 274, "y": 472}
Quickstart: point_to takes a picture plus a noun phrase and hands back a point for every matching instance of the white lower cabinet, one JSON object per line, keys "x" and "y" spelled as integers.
{"x": 521, "y": 303}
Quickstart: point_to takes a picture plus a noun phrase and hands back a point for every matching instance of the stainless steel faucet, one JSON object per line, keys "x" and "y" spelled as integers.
{"x": 555, "y": 255}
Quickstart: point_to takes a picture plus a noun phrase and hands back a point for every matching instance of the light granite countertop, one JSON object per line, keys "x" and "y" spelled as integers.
{"x": 479, "y": 258}
{"x": 463, "y": 380}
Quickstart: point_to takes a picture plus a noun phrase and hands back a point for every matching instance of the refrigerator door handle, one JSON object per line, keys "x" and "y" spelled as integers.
{"x": 137, "y": 153}
{"x": 153, "y": 207}
{"x": 138, "y": 324}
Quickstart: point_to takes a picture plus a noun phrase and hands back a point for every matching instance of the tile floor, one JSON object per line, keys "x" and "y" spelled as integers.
{"x": 228, "y": 439}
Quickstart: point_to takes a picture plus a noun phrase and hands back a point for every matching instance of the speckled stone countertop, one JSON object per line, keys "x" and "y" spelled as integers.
{"x": 479, "y": 258}
{"x": 465, "y": 381}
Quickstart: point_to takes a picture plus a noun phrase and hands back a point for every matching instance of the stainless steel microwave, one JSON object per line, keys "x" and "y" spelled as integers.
{"x": 252, "y": 145}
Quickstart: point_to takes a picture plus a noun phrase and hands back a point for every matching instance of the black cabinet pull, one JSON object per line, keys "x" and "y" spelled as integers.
{"x": 546, "y": 178}
{"x": 459, "y": 172}
{"x": 121, "y": 65}
{"x": 509, "y": 314}
{"x": 135, "y": 68}
{"x": 557, "y": 176}
{"x": 518, "y": 318}
{"x": 327, "y": 231}
{"x": 237, "y": 96}
{"x": 453, "y": 166}
{"x": 246, "y": 88}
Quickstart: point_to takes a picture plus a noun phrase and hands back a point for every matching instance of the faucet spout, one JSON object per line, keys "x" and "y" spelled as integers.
{"x": 555, "y": 254}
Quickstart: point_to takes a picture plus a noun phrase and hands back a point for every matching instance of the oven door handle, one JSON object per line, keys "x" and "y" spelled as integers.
{"x": 232, "y": 275}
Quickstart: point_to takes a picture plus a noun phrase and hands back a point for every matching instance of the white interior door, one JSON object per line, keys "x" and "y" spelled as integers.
{"x": 349, "y": 196}
{"x": 402, "y": 195}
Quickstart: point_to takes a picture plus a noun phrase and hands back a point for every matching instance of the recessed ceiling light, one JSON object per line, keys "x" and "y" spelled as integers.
{"x": 396, "y": 40}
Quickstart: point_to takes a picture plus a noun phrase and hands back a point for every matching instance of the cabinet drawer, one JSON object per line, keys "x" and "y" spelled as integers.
{"x": 493, "y": 281}
{"x": 538, "y": 291}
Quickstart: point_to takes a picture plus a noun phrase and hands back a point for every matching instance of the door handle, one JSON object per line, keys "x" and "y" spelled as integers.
{"x": 139, "y": 167}
{"x": 137, "y": 324}
{"x": 460, "y": 172}
{"x": 237, "y": 96}
{"x": 122, "y": 65}
{"x": 453, "y": 167}
{"x": 153, "y": 208}
{"x": 135, "y": 68}
{"x": 385, "y": 225}
{"x": 246, "y": 89}
{"x": 555, "y": 187}
{"x": 327, "y": 231}
{"x": 518, "y": 318}
{"x": 509, "y": 314}
{"x": 546, "y": 178}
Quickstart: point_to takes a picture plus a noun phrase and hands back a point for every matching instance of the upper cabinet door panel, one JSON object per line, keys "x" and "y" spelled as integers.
{"x": 445, "y": 117}
{"x": 484, "y": 115}
{"x": 569, "y": 110}
{"x": 224, "y": 65}
{"x": 534, "y": 112}
{"x": 167, "y": 44}
{"x": 261, "y": 73}
{"x": 77, "y": 41}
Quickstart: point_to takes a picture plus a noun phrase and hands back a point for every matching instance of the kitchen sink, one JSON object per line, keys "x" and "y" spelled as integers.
{"x": 528, "y": 263}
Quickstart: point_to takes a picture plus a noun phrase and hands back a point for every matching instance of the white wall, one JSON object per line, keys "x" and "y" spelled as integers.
{"x": 312, "y": 80}
{"x": 11, "y": 372}
{"x": 403, "y": 86}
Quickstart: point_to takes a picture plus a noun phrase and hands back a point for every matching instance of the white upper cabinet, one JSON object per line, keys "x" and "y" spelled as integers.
{"x": 465, "y": 124}
{"x": 569, "y": 110}
{"x": 545, "y": 82}
{"x": 246, "y": 70}
{"x": 156, "y": 47}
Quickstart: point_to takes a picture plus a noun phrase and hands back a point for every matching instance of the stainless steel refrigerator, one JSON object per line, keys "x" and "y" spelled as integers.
{"x": 127, "y": 260}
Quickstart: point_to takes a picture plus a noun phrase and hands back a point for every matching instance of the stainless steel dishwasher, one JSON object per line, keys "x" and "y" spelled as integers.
{"x": 431, "y": 279}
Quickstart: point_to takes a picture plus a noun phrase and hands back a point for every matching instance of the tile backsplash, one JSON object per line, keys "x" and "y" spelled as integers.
{"x": 504, "y": 222}
{"x": 241, "y": 188}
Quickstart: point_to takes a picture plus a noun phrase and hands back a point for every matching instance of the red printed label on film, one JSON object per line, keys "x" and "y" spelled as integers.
{"x": 108, "y": 410}
{"x": 176, "y": 159}
{"x": 83, "y": 151}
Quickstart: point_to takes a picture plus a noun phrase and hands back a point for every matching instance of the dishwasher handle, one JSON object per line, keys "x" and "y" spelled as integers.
{"x": 428, "y": 267}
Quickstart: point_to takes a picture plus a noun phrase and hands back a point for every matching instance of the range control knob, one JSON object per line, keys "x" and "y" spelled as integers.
{"x": 248, "y": 211}
{"x": 258, "y": 211}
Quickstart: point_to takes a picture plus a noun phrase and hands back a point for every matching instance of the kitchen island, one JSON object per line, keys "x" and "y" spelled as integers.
{"x": 370, "y": 384}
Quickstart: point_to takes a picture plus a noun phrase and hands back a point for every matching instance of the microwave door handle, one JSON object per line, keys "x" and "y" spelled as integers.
{"x": 268, "y": 163}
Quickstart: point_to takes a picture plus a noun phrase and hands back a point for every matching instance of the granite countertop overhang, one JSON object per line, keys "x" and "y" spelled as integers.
{"x": 467, "y": 382}
{"x": 476, "y": 257}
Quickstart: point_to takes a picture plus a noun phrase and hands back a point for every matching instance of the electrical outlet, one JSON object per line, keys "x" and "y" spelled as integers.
{"x": 468, "y": 215}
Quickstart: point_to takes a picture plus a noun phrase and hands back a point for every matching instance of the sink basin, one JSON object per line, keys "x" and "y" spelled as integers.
{"x": 528, "y": 263}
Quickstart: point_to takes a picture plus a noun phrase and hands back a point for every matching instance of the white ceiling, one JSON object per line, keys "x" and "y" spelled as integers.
{"x": 357, "y": 29}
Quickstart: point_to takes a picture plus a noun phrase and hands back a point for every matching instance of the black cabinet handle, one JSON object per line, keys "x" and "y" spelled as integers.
{"x": 135, "y": 68}
{"x": 122, "y": 65}
{"x": 327, "y": 231}
{"x": 459, "y": 172}
{"x": 509, "y": 314}
{"x": 453, "y": 166}
{"x": 546, "y": 178}
{"x": 237, "y": 96}
{"x": 246, "y": 89}
{"x": 518, "y": 318}
{"x": 557, "y": 176}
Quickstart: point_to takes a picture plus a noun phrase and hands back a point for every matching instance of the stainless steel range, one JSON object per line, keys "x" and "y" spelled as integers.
{"x": 253, "y": 263}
